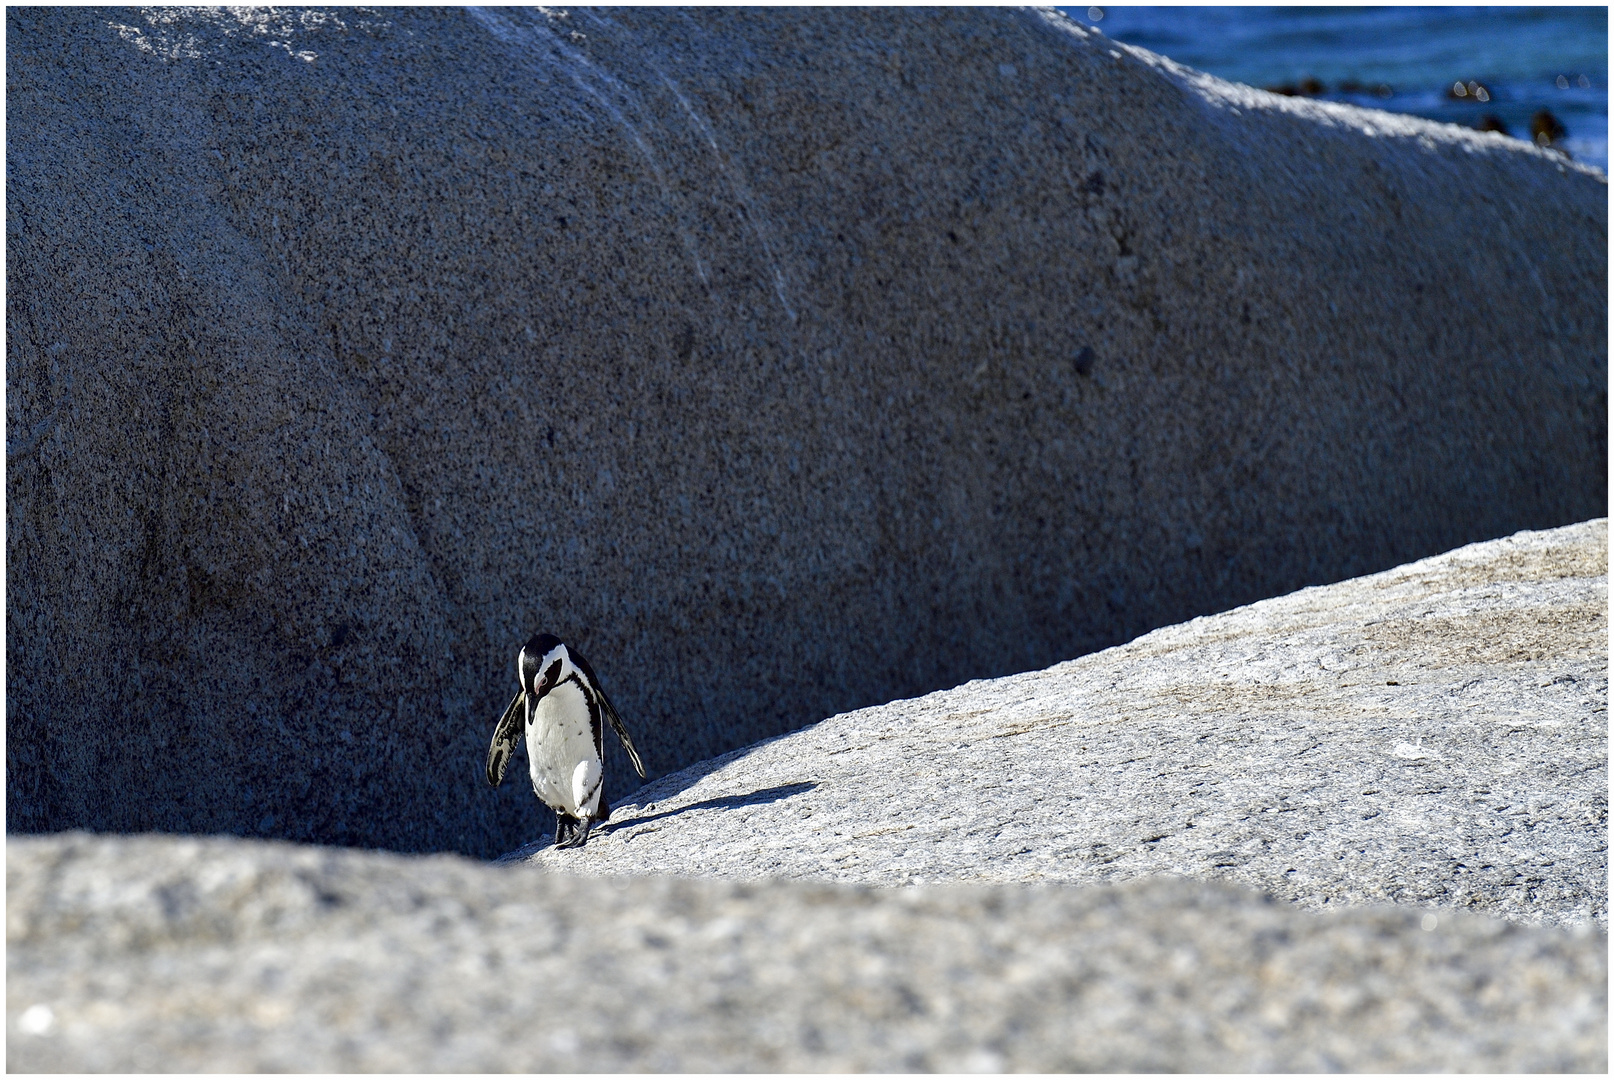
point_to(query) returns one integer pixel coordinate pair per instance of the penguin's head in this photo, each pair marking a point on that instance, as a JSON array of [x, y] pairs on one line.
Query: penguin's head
[[543, 665]]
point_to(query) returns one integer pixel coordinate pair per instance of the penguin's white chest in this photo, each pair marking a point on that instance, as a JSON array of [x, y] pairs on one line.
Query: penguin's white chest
[[565, 766]]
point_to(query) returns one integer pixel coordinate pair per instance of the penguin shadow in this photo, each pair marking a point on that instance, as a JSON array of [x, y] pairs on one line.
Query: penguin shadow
[[725, 802]]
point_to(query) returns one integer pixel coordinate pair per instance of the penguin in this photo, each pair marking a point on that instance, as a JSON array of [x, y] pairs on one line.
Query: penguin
[[560, 708]]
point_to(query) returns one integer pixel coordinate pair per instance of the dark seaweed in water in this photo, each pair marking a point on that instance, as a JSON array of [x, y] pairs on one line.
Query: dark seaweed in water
[[1545, 128], [1512, 62]]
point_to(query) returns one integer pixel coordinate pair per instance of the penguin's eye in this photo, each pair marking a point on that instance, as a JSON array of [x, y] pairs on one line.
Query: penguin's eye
[[544, 681]]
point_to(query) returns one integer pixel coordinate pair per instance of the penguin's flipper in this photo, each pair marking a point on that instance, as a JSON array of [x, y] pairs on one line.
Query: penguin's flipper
[[610, 713], [622, 733], [505, 737]]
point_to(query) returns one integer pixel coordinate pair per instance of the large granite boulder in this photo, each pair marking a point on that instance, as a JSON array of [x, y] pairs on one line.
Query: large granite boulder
[[1433, 735], [785, 361]]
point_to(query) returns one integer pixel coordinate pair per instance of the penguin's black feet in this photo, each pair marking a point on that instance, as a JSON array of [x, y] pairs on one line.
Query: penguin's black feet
[[570, 832], [565, 828]]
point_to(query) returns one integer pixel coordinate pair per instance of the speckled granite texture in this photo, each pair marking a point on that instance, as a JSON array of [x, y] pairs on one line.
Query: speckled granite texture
[[1419, 757], [1434, 735], [176, 954], [786, 361]]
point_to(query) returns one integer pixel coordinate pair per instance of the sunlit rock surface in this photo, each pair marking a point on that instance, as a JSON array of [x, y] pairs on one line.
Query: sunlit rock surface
[[785, 361], [1434, 735]]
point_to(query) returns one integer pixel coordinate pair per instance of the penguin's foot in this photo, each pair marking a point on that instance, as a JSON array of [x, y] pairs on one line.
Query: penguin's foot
[[572, 833]]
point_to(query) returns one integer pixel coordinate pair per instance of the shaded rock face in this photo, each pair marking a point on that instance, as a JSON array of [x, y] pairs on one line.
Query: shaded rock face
[[254, 956], [784, 362]]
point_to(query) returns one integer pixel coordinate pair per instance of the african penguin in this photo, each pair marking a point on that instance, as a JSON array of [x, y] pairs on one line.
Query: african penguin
[[559, 708]]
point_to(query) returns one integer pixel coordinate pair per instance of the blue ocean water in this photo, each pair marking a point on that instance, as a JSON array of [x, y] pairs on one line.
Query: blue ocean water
[[1512, 63]]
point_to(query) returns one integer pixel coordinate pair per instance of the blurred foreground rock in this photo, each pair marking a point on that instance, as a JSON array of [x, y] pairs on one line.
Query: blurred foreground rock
[[785, 361], [1435, 735], [176, 954]]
